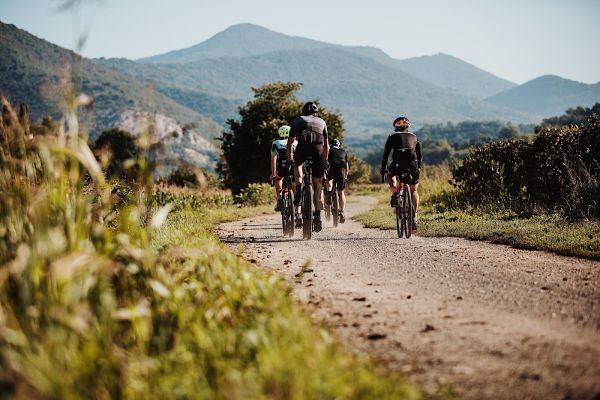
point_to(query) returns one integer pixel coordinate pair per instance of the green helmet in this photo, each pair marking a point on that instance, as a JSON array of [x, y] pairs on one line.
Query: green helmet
[[284, 131]]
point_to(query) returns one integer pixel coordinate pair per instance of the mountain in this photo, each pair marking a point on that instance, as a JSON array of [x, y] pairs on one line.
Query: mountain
[[35, 71], [547, 96], [245, 40], [454, 74], [367, 92], [241, 40], [32, 68]]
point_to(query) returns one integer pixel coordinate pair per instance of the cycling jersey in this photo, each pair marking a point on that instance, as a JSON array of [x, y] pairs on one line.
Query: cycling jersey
[[310, 132], [337, 158], [406, 149], [406, 154], [279, 149]]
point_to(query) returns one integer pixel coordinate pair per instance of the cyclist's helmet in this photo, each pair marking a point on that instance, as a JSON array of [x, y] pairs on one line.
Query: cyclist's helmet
[[284, 131], [335, 144], [401, 121], [310, 108]]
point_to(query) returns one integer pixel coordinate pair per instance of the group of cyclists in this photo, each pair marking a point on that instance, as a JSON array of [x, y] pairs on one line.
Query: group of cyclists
[[307, 137]]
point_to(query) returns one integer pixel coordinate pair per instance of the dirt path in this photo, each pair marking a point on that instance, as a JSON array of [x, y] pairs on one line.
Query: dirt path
[[489, 320]]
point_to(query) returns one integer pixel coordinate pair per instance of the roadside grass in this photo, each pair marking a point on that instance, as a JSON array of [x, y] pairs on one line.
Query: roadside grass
[[439, 217], [260, 342], [104, 294]]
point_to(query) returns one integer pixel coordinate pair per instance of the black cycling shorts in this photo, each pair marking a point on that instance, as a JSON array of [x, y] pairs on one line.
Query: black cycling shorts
[[337, 174], [305, 150], [412, 167], [282, 170]]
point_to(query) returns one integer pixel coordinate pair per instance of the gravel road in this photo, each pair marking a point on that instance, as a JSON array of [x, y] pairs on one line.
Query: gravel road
[[488, 320]]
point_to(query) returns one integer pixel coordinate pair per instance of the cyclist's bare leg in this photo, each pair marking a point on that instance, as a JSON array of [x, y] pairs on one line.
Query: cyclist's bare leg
[[278, 185], [342, 199], [318, 193], [391, 180], [329, 185], [415, 195], [297, 175]]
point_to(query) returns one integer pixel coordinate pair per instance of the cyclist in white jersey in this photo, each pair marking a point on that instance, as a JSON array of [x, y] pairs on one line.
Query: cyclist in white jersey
[[279, 161]]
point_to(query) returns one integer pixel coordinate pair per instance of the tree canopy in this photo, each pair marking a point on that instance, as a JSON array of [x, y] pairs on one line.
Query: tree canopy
[[246, 146]]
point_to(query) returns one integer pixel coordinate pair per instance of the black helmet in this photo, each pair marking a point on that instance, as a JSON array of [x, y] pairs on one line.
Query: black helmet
[[335, 144], [310, 108], [400, 119]]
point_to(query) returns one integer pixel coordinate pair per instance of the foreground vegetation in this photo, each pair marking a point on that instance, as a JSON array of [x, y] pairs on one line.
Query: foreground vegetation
[[113, 290], [440, 215]]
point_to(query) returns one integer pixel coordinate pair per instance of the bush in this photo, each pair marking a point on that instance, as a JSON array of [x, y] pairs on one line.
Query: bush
[[558, 170], [256, 194]]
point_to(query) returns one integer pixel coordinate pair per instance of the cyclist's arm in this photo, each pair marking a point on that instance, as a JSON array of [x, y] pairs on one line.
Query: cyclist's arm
[[347, 164], [419, 156], [386, 153], [325, 144], [273, 163], [290, 149]]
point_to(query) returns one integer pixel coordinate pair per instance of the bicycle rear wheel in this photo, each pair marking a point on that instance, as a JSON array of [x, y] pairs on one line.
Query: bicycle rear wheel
[[399, 220], [326, 207], [283, 212], [408, 213], [307, 218], [334, 206], [290, 214]]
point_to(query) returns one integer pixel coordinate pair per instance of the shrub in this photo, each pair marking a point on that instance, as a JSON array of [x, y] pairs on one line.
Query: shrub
[[256, 194], [558, 170]]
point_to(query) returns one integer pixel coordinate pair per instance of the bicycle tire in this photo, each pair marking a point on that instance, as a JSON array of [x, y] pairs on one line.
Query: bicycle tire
[[335, 206], [327, 208], [290, 213], [408, 213], [307, 219], [399, 220], [283, 212]]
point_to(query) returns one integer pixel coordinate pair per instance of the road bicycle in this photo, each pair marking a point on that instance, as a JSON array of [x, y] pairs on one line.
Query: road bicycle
[[404, 209], [288, 210]]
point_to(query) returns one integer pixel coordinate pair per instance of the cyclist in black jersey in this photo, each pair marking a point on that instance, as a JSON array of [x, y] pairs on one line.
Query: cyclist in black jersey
[[311, 133], [406, 156], [338, 171]]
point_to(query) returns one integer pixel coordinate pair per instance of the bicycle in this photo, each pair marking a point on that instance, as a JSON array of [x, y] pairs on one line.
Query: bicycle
[[288, 210], [404, 209], [306, 202]]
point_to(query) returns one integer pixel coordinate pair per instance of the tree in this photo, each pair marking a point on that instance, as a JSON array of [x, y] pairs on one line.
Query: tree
[[118, 150], [509, 132], [246, 145], [360, 171]]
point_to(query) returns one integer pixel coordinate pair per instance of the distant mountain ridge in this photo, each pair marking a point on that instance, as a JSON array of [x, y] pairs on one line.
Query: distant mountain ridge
[[246, 40], [548, 95], [454, 74], [367, 92]]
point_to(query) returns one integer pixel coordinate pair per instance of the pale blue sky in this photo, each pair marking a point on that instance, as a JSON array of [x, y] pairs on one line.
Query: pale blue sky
[[514, 39]]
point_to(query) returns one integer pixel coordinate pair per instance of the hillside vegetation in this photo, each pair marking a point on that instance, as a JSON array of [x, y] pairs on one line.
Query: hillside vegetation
[[37, 73]]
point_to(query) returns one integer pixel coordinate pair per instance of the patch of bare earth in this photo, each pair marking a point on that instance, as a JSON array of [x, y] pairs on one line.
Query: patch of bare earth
[[490, 321]]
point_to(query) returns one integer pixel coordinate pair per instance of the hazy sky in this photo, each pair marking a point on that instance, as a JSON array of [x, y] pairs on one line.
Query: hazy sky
[[514, 39]]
